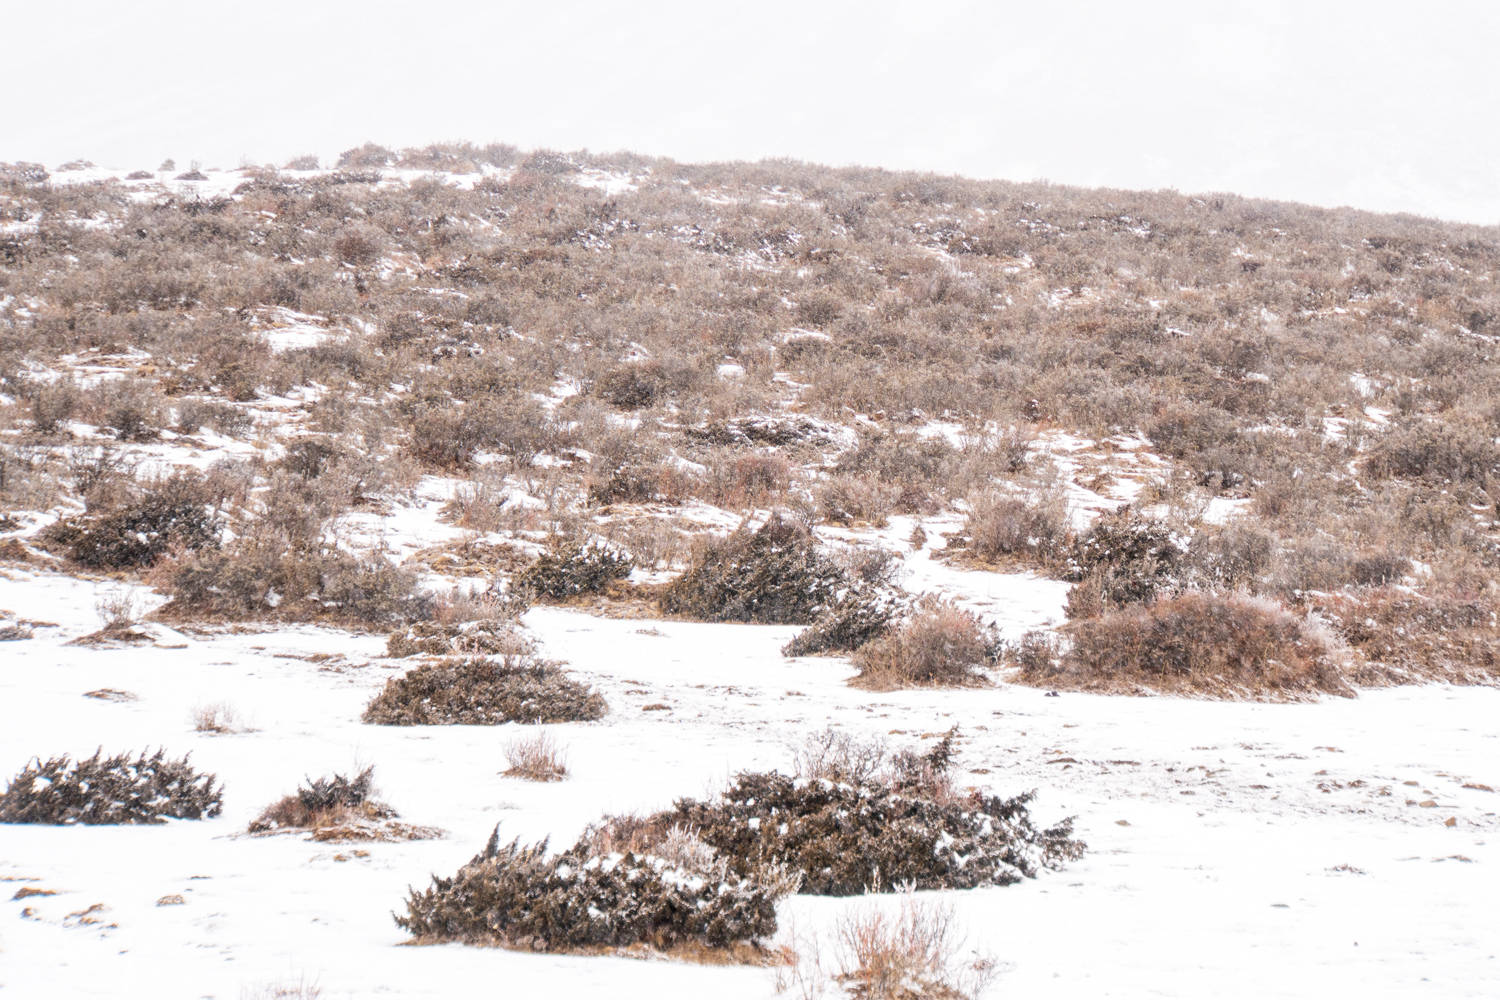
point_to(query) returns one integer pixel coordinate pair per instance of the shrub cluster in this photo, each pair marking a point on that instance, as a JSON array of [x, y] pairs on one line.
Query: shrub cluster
[[118, 789], [338, 799], [1032, 529], [516, 687], [571, 567], [773, 575], [257, 577], [582, 898]]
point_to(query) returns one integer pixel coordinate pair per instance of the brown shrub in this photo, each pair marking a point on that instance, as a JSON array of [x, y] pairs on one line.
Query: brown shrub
[[1027, 530], [1219, 645], [941, 644], [1402, 637]]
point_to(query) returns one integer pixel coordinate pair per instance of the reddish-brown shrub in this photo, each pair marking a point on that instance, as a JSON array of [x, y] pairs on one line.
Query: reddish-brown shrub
[[1219, 645]]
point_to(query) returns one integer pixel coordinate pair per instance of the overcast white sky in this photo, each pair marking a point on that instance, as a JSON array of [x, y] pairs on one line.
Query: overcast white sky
[[1380, 105]]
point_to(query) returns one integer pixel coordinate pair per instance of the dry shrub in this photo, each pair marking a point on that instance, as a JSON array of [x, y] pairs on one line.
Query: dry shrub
[[118, 789], [338, 808], [263, 577], [1436, 452], [774, 575], [637, 385], [845, 499], [940, 644], [219, 717], [1031, 529], [859, 615], [1124, 558], [489, 637], [1218, 645], [1403, 637], [572, 567], [913, 954], [536, 758], [518, 687], [177, 512], [587, 899], [846, 839]]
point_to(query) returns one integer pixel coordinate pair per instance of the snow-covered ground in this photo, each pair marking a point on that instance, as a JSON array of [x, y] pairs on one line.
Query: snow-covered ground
[[1340, 848]]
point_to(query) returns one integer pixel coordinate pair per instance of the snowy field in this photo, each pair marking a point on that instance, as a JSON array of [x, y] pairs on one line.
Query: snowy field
[[1340, 848]]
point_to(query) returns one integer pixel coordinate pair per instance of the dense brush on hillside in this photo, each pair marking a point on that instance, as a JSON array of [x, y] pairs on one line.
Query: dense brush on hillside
[[618, 337]]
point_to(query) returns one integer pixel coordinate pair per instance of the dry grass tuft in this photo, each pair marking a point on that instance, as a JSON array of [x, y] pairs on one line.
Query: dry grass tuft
[[536, 758], [218, 717], [913, 954]]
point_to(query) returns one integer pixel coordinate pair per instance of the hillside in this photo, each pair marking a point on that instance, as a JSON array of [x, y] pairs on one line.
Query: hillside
[[1184, 510]]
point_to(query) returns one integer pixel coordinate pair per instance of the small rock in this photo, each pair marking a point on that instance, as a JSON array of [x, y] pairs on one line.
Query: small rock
[[173, 899]]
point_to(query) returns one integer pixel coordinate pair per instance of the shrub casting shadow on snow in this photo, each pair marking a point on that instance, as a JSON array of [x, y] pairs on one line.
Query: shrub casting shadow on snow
[[517, 687], [102, 790]]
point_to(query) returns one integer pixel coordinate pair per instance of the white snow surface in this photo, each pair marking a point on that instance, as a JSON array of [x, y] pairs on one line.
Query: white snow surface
[[1235, 849]]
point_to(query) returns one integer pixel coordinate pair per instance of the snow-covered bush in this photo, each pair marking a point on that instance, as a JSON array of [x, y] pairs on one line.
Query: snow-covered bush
[[846, 839], [516, 687], [571, 567], [774, 575], [261, 577], [1123, 559], [855, 617], [519, 897], [118, 789]]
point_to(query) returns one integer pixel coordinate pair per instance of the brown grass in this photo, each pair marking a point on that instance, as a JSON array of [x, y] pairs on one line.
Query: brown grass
[[536, 758]]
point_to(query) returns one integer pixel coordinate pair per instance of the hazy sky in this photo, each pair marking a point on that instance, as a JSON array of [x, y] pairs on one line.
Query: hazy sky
[[1387, 106]]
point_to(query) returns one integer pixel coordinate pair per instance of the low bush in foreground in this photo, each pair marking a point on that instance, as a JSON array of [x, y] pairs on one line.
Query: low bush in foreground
[[1220, 645], [584, 898], [913, 954], [940, 644], [516, 687], [773, 575], [536, 758], [100, 790]]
